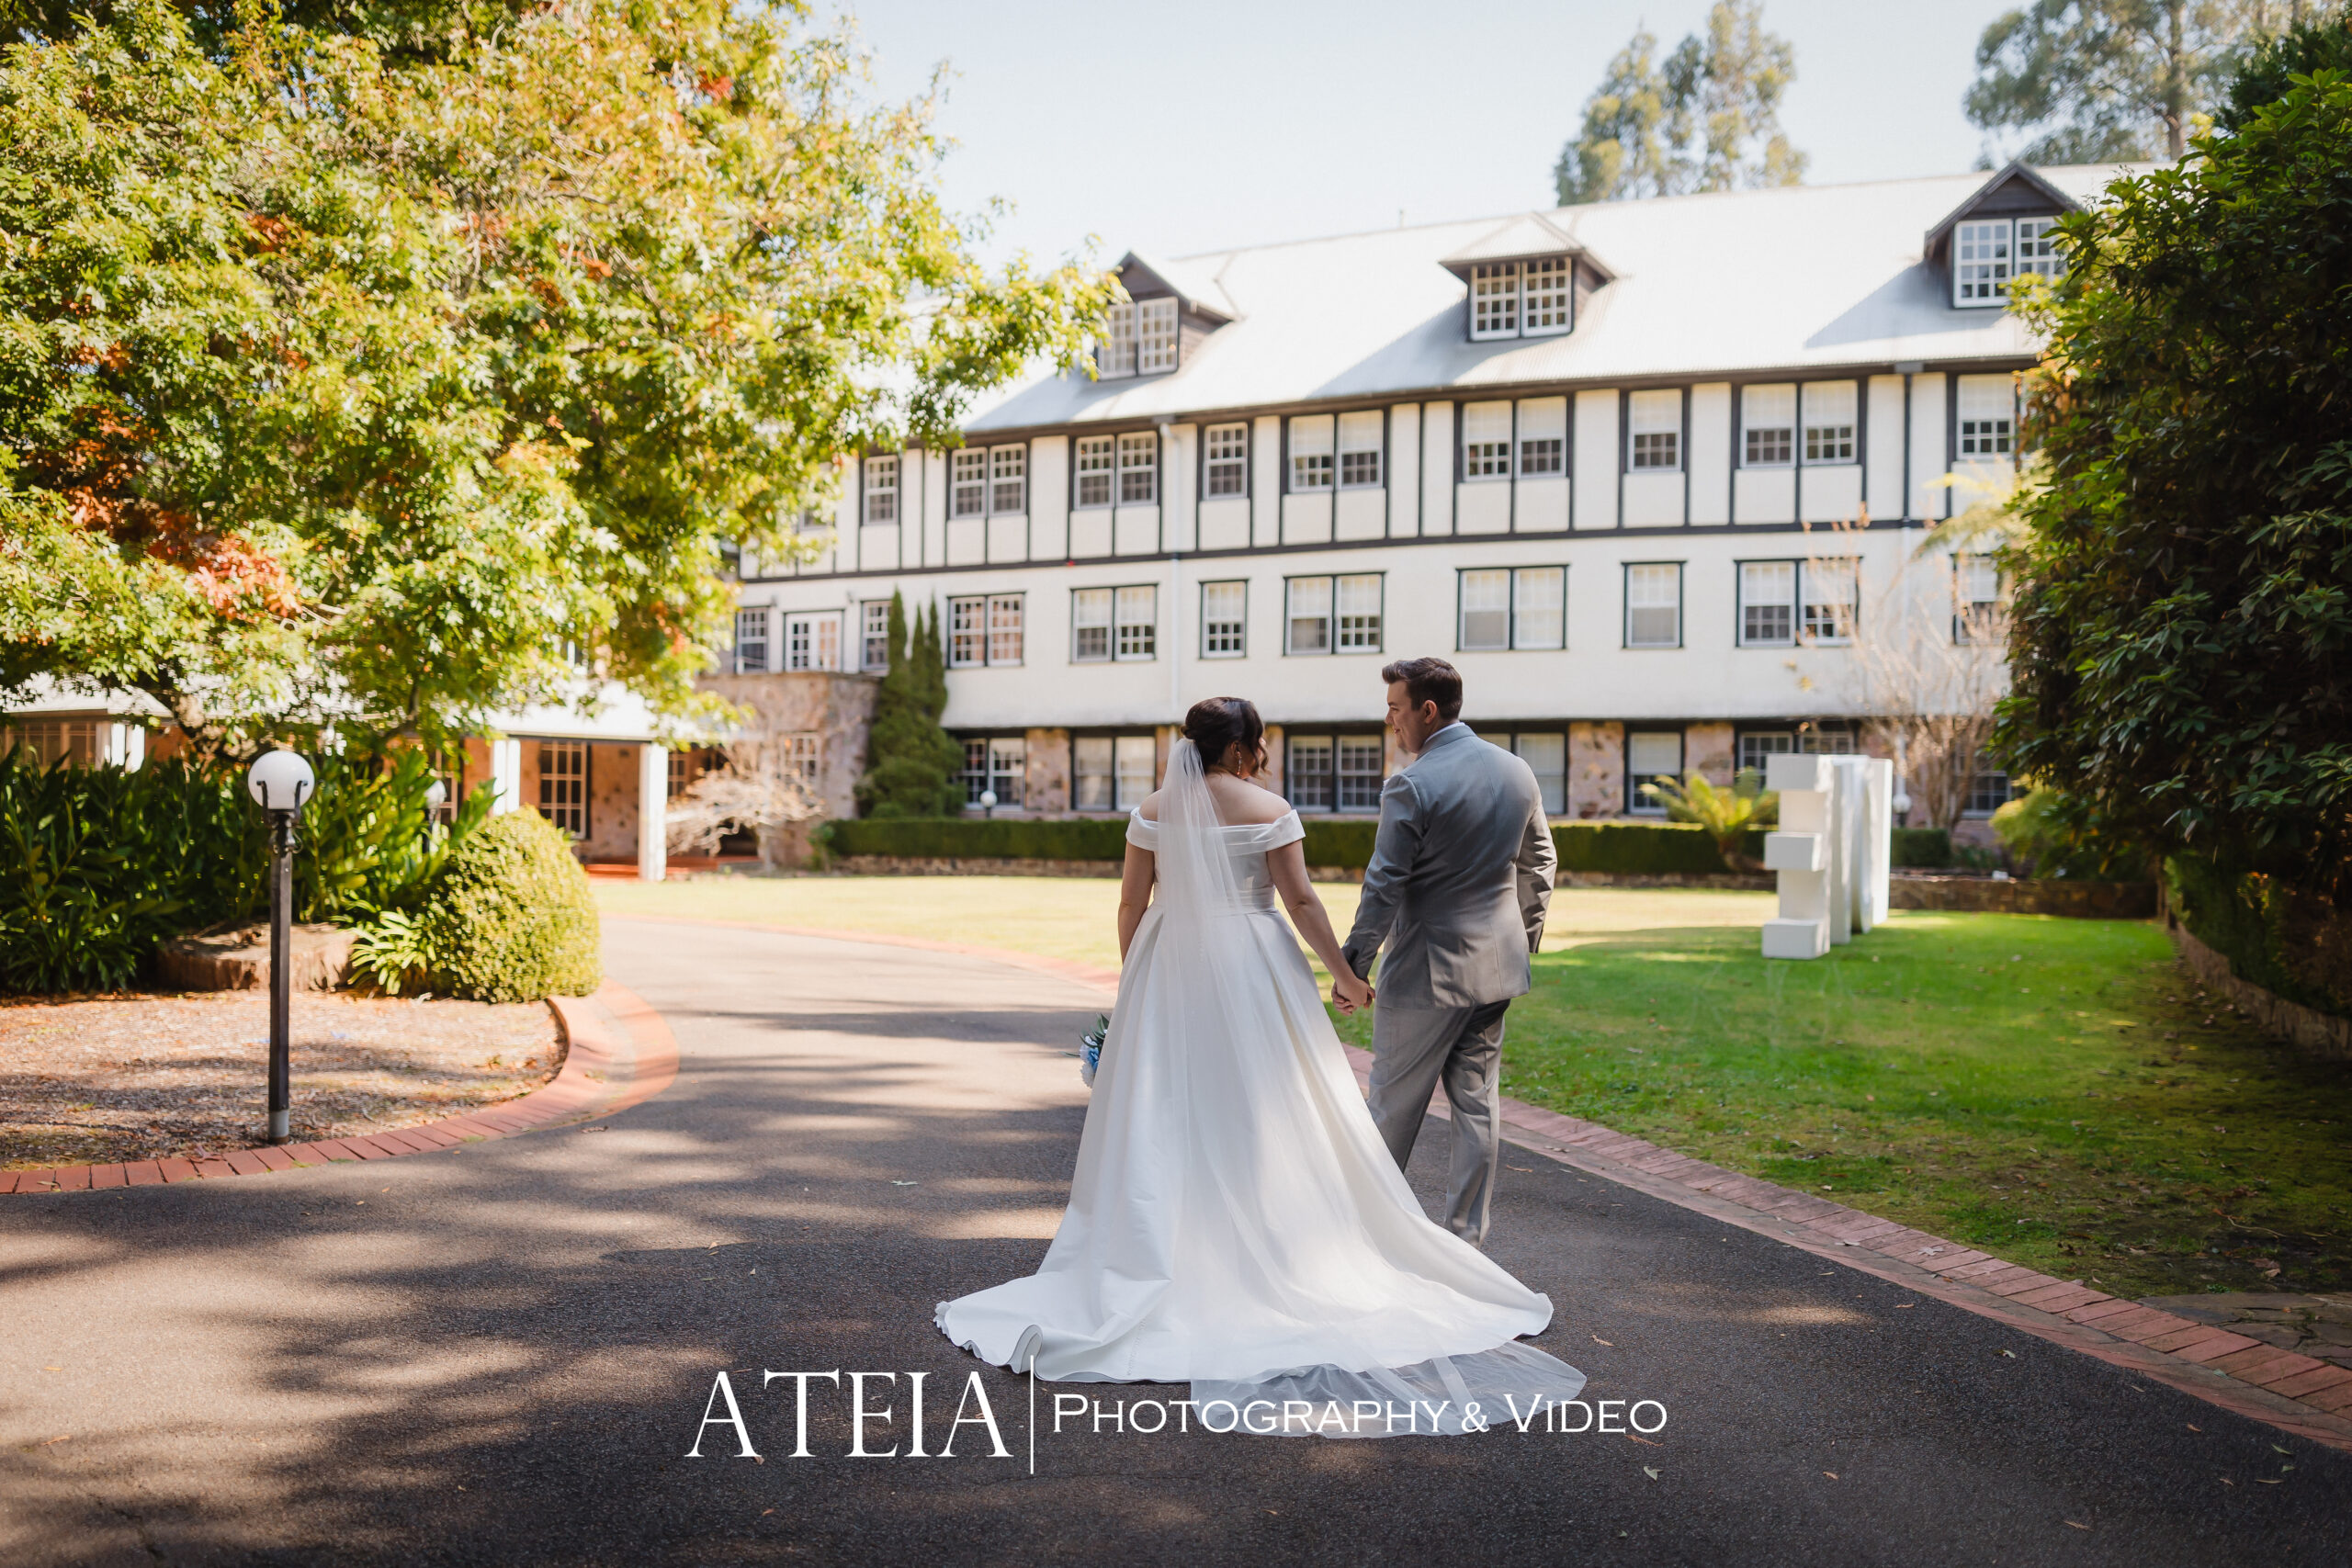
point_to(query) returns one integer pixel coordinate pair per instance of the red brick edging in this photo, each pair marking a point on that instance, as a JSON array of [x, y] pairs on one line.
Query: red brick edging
[[2297, 1393], [604, 1070]]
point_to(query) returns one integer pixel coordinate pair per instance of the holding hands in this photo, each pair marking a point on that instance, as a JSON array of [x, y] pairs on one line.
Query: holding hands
[[1349, 992]]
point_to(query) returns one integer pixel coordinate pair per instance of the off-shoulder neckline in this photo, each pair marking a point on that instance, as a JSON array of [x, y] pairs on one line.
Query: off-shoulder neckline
[[1136, 812]]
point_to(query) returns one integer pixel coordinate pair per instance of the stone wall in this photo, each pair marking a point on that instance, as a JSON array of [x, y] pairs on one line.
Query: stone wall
[[836, 708], [2016, 896], [1707, 751], [1596, 770], [1044, 783]]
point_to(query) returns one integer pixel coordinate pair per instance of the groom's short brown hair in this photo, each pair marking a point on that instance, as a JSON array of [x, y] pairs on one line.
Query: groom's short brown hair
[[1429, 681]]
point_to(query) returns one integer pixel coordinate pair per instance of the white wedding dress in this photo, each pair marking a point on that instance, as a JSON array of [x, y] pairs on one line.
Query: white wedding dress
[[1234, 1221]]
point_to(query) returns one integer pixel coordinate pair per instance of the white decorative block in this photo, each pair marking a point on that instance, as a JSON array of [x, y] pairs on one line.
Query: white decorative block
[[1788, 770], [1793, 851], [1795, 938]]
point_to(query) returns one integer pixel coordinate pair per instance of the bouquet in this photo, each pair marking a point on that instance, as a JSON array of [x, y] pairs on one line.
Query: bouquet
[[1090, 1049]]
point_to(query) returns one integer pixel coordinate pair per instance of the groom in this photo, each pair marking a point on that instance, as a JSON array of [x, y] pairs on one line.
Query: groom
[[1460, 878]]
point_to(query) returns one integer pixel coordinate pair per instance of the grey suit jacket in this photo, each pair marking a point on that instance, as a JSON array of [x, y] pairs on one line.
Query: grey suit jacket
[[1461, 877]]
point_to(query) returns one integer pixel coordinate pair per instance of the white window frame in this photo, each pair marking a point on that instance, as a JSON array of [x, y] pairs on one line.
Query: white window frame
[[1134, 624], [2036, 249], [812, 640], [1486, 437], [873, 636], [752, 648], [1646, 416], [1225, 472], [989, 481], [1517, 583], [1091, 610], [967, 482], [881, 499], [1636, 803], [1494, 300], [1008, 631], [1134, 770], [1093, 772], [1832, 419], [1536, 297], [1673, 570], [1157, 342], [1807, 612], [1313, 454], [1307, 601], [1139, 468], [987, 630], [1768, 425], [1977, 597], [1984, 417], [1982, 253], [1096, 463], [998, 762], [1353, 770], [1361, 440], [1224, 622], [1357, 629], [1541, 440], [1115, 351], [1551, 771]]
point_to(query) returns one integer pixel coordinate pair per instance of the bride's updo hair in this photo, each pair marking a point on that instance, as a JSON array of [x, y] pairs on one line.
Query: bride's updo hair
[[1217, 723]]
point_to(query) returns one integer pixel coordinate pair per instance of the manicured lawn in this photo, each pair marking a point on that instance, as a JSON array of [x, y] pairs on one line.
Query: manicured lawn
[[2057, 1092]]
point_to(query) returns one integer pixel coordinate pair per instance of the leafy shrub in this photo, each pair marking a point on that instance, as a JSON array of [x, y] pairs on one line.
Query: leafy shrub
[[2290, 942], [942, 838], [1728, 815], [100, 866], [2049, 834], [1646, 849], [367, 842], [1921, 848], [512, 920]]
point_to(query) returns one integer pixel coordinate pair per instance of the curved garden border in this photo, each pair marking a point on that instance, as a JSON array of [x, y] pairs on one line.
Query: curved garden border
[[607, 1067]]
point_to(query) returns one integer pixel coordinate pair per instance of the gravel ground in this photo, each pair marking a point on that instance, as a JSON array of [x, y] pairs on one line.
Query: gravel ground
[[134, 1078]]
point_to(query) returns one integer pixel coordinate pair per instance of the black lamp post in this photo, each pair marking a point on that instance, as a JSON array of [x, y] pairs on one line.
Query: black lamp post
[[280, 782]]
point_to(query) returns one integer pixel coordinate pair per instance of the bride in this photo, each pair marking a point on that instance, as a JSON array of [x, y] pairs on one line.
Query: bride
[[1235, 1221]]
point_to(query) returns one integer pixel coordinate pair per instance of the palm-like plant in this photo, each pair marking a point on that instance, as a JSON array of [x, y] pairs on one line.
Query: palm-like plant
[[1728, 815]]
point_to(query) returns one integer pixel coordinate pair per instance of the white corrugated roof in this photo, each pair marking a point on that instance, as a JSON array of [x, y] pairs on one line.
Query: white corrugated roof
[[1797, 277]]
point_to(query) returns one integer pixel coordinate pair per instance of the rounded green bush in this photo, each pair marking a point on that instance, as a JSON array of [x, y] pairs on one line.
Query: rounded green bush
[[512, 919]]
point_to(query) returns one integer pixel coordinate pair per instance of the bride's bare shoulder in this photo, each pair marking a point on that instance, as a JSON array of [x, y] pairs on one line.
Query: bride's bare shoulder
[[1255, 803], [1149, 809]]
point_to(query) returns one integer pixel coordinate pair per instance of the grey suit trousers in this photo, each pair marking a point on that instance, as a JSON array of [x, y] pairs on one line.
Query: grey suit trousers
[[1412, 1049]]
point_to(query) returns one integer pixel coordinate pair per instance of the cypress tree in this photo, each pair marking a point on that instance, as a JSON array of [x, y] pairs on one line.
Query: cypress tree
[[912, 763]]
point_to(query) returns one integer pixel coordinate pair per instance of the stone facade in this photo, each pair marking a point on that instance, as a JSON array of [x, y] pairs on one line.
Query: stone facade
[[1596, 769], [1045, 782], [836, 708], [1707, 752]]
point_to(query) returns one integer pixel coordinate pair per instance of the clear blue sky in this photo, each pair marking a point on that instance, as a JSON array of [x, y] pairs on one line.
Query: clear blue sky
[[1197, 126]]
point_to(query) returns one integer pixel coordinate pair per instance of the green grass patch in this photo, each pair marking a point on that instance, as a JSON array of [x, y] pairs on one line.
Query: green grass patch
[[2057, 1092]]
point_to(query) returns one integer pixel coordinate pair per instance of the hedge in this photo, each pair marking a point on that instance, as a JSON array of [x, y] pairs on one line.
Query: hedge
[[1628, 849], [2292, 943], [1922, 849]]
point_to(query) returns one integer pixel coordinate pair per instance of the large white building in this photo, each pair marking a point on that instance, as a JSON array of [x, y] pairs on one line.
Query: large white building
[[1634, 468]]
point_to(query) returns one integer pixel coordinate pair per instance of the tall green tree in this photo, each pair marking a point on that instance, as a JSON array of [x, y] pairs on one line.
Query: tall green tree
[[2091, 81], [2181, 642], [1707, 118], [911, 761], [343, 384]]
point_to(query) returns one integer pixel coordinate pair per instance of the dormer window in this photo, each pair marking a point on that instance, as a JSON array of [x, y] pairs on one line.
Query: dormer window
[[2004, 231], [1522, 299], [1138, 339]]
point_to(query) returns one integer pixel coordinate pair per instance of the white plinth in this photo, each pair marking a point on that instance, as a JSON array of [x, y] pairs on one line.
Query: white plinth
[[1796, 939]]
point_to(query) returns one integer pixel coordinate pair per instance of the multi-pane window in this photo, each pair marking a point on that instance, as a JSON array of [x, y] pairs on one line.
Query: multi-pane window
[[1768, 419], [1224, 614], [1542, 436], [1156, 342], [1327, 614], [1986, 411], [1546, 299], [995, 766], [1486, 441], [1334, 772], [1654, 604], [882, 490], [1530, 299], [1135, 616], [2037, 248], [77, 742], [1829, 422], [1115, 353], [1514, 608], [1988, 788], [1783, 601], [812, 642], [1545, 753], [1977, 598], [1227, 450], [874, 639], [1135, 768], [1090, 787], [1360, 444], [1113, 623], [751, 641], [563, 784], [1139, 469], [1098, 463], [1494, 300], [1311, 440], [984, 629], [991, 482], [1650, 755], [1654, 420], [1980, 262], [1757, 747], [683, 772]]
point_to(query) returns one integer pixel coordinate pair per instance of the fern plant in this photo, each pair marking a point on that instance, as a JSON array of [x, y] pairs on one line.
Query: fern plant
[[1728, 815]]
